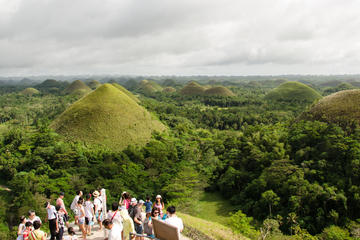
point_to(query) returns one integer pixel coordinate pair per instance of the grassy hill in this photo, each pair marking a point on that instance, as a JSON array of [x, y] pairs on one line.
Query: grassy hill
[[107, 116], [193, 88], [219, 91], [124, 90], [93, 84], [77, 87], [293, 92], [169, 90], [147, 86], [341, 107], [30, 91]]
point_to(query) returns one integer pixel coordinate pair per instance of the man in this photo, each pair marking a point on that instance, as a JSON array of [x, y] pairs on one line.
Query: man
[[173, 219], [52, 218], [60, 202], [132, 206], [98, 208], [74, 204], [37, 234], [32, 217], [115, 216], [115, 231], [138, 219], [148, 205]]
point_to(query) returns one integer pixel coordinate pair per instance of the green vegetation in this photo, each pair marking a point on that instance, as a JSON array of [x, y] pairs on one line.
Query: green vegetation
[[77, 88], [108, 117], [124, 90], [30, 91], [169, 90], [192, 88], [293, 91], [93, 84], [147, 87], [219, 91]]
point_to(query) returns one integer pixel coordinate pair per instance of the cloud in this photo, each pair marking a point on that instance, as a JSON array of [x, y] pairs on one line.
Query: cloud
[[179, 37]]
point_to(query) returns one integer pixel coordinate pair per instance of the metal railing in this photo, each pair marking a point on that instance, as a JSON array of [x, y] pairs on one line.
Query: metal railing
[[131, 235]]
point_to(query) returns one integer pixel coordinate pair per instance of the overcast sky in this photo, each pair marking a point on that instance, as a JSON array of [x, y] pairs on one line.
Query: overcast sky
[[184, 37]]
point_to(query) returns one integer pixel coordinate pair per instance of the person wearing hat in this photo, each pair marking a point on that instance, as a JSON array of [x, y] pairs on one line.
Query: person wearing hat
[[131, 208], [60, 202], [98, 208], [138, 219], [159, 204], [125, 200]]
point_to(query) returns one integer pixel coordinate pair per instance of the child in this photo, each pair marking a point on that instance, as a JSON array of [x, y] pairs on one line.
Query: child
[[28, 228], [148, 205], [71, 235], [61, 222]]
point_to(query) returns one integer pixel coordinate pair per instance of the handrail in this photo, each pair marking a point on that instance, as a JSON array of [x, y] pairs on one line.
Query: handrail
[[131, 235]]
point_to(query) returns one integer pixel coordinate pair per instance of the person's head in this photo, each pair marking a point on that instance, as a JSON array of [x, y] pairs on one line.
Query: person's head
[[28, 225], [133, 202], [171, 210], [107, 223], [57, 207], [80, 193], [22, 219], [141, 202], [115, 206], [36, 224], [126, 195], [147, 198], [155, 212], [32, 214], [158, 199], [96, 194], [61, 195], [148, 214], [46, 204], [80, 201], [88, 197], [71, 231]]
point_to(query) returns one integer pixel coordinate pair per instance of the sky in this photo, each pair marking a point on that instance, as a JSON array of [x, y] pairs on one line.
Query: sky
[[187, 37]]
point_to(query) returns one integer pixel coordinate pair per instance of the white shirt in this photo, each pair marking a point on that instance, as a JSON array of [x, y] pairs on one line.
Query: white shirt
[[115, 232], [89, 206], [70, 237], [176, 222], [98, 203], [36, 218], [116, 218], [51, 211], [74, 202]]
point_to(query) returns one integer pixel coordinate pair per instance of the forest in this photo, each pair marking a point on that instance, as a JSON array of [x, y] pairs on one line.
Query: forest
[[287, 175]]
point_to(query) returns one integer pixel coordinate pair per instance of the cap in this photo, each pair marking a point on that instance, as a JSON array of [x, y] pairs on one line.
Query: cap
[[158, 196], [141, 202], [133, 200]]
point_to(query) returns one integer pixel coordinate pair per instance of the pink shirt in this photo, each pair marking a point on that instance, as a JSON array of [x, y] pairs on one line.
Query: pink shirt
[[60, 202]]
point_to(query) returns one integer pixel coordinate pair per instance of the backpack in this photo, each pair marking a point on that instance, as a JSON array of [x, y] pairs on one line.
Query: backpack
[[131, 211]]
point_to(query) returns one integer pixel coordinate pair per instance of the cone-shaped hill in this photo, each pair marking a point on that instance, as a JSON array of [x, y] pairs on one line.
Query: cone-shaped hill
[[109, 117], [30, 91], [293, 92], [93, 84], [124, 90], [342, 108], [219, 91], [193, 88], [147, 86], [169, 90], [77, 87]]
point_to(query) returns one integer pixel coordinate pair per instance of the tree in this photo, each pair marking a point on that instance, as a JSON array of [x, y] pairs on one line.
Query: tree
[[271, 199]]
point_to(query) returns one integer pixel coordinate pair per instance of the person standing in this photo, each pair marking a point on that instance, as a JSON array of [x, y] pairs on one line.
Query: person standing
[[128, 223], [148, 205], [32, 217], [73, 205], [81, 221], [37, 234], [52, 218], [61, 223], [60, 202], [98, 208], [125, 200], [89, 214], [174, 220], [21, 228], [159, 204], [138, 220]]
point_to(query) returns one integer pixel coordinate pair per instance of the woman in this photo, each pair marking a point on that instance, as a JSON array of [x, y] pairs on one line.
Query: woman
[[21, 228], [81, 222], [159, 204], [125, 200], [148, 227]]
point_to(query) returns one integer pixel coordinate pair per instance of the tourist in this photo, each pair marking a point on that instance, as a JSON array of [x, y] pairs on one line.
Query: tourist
[[81, 221], [52, 218], [115, 231], [21, 228], [28, 228], [138, 219], [159, 204], [61, 222], [98, 208], [74, 204], [148, 205], [148, 230], [132, 206], [114, 214], [32, 217], [71, 235], [128, 223], [60, 202], [89, 214], [125, 200], [173, 220], [37, 234]]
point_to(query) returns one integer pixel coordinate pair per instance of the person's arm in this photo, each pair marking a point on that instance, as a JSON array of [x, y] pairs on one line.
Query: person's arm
[[19, 230], [162, 204]]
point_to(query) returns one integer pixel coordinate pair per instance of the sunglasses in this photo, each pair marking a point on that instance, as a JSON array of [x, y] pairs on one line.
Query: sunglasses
[[156, 213]]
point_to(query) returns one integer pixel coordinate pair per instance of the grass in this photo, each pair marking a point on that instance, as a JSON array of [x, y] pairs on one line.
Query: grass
[[219, 91], [124, 90], [93, 84], [293, 91], [77, 87], [169, 90], [193, 88], [30, 91], [147, 86], [109, 117]]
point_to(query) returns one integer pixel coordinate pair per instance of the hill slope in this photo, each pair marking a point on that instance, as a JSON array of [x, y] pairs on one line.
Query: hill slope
[[293, 91], [93, 84], [77, 87], [340, 107], [107, 116], [192, 88], [30, 91], [147, 86], [169, 90], [124, 90], [219, 91]]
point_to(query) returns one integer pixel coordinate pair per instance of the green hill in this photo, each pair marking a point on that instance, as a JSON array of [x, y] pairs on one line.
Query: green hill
[[124, 90], [107, 116], [147, 86], [338, 88], [293, 92], [193, 88], [30, 91], [169, 90], [341, 108], [219, 91], [93, 84], [77, 87]]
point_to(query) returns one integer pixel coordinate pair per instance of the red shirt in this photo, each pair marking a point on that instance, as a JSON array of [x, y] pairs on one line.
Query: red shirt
[[26, 234]]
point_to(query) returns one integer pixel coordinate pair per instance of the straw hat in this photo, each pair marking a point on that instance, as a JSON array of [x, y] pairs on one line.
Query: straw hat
[[158, 196], [96, 193]]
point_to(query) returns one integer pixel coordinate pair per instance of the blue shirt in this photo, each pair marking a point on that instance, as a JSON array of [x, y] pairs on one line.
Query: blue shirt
[[148, 206]]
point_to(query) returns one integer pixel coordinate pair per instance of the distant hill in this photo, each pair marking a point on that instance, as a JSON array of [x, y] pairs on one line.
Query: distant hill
[[169, 90], [342, 108], [124, 90], [338, 88], [293, 92], [219, 91], [93, 84], [193, 88], [109, 117], [77, 87], [146, 86], [30, 91]]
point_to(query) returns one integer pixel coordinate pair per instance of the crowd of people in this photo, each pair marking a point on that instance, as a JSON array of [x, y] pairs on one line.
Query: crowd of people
[[127, 218]]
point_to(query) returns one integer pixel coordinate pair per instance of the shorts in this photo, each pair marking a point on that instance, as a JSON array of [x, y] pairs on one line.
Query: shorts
[[81, 220], [138, 228], [98, 216]]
